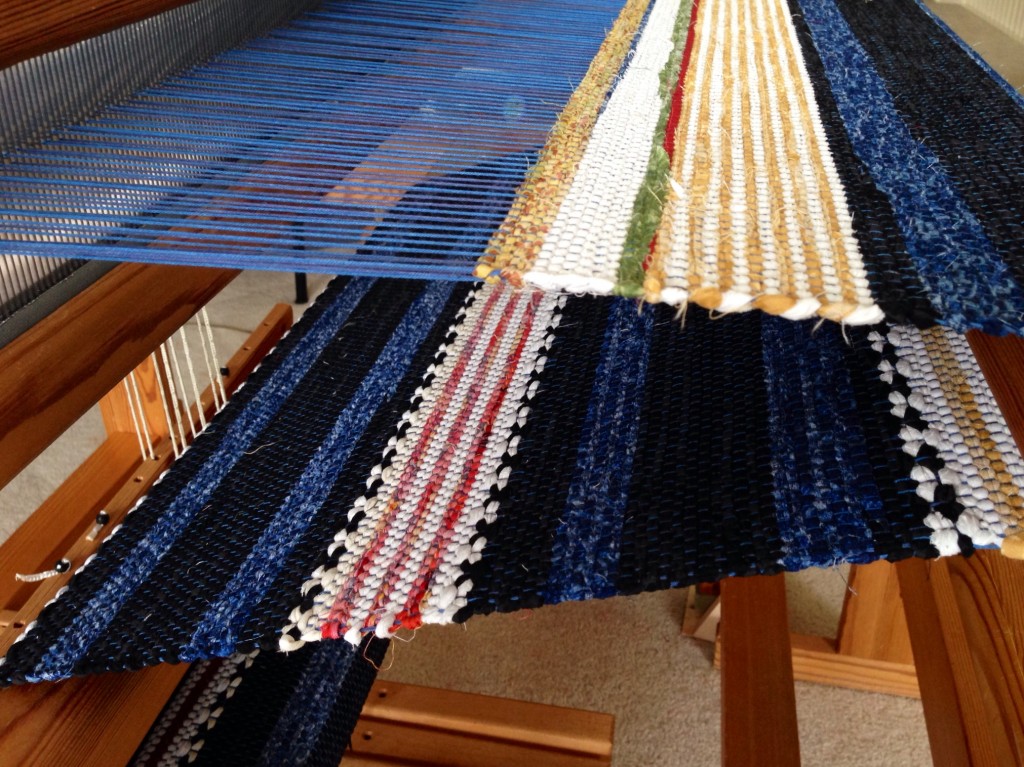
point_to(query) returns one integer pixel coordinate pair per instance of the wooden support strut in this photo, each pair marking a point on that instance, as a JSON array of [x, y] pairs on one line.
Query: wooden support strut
[[54, 372], [97, 720], [31, 28], [759, 724]]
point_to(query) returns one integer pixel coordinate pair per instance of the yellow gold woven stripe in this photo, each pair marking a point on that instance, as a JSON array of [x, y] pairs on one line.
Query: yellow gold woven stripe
[[984, 450], [514, 247], [777, 229]]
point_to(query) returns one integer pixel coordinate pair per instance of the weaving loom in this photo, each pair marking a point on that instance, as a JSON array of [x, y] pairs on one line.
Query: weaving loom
[[422, 451]]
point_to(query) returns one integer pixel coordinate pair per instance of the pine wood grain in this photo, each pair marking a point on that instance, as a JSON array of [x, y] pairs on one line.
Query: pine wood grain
[[980, 603], [65, 516], [873, 623], [403, 723], [95, 721], [58, 369], [35, 27], [116, 405], [485, 716], [1002, 361], [759, 724], [943, 715]]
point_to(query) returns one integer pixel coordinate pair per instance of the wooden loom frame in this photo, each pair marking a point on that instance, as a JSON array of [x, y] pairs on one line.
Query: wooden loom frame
[[965, 617]]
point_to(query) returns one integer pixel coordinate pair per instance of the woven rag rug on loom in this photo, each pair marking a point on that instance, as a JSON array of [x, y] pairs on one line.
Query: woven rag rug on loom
[[840, 158], [421, 452], [254, 709], [847, 159]]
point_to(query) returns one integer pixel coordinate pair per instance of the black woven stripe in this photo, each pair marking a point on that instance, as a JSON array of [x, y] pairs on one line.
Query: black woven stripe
[[513, 572], [898, 532], [266, 621], [701, 503], [266, 690], [161, 613], [894, 281], [335, 739], [63, 612], [954, 107]]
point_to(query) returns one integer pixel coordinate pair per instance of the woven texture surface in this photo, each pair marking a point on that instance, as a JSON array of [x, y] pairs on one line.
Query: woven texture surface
[[805, 157], [425, 451], [265, 709]]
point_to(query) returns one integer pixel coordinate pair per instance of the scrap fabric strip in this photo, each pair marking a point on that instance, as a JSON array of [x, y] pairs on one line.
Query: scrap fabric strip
[[421, 452], [968, 280], [264, 708], [974, 459], [517, 242], [258, 492], [758, 214], [433, 483], [775, 187]]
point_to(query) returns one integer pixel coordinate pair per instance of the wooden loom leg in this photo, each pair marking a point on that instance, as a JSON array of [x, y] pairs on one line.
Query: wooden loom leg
[[759, 724], [872, 651], [966, 619]]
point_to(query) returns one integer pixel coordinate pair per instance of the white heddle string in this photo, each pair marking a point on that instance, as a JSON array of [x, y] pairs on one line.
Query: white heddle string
[[164, 393], [181, 383], [165, 352], [216, 360], [142, 417], [192, 377], [135, 417], [205, 346]]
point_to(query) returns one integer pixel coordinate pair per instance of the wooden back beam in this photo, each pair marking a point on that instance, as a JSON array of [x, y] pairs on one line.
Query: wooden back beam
[[53, 373], [30, 29]]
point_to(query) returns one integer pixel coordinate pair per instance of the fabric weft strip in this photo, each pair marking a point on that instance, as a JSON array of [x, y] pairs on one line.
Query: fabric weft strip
[[425, 451], [784, 192], [264, 708]]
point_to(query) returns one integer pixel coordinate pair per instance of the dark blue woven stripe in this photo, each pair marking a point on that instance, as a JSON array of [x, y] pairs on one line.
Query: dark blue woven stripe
[[309, 706], [824, 487], [585, 554], [895, 284], [238, 439], [954, 107], [966, 280], [217, 633]]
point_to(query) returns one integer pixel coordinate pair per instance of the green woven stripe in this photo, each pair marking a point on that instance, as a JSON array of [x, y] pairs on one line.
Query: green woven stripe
[[650, 199]]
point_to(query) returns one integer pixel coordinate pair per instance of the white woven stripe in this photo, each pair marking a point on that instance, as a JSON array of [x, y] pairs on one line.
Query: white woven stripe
[[444, 598], [990, 412], [990, 510], [913, 364], [584, 245], [677, 268], [987, 517], [813, 215], [737, 183], [392, 565], [391, 510], [869, 312], [707, 227]]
